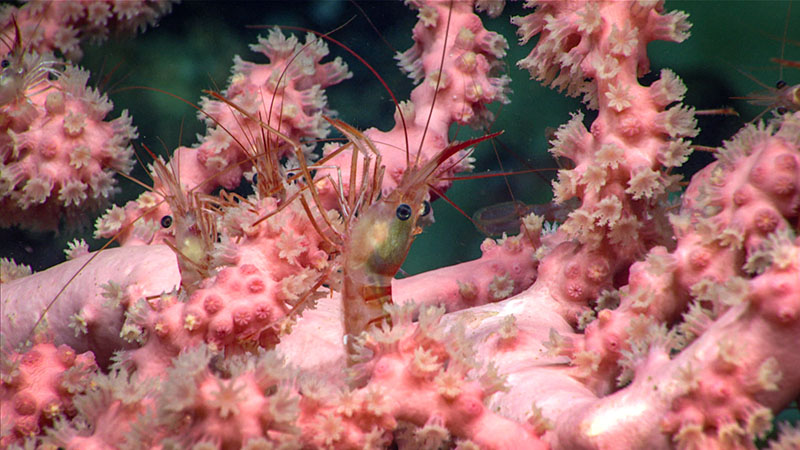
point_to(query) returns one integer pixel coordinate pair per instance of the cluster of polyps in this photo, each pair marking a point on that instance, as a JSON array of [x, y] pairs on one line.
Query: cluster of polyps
[[59, 155]]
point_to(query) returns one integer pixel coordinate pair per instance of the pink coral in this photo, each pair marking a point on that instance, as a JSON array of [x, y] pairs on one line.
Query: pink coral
[[47, 27], [637, 323], [455, 90], [39, 386], [58, 155]]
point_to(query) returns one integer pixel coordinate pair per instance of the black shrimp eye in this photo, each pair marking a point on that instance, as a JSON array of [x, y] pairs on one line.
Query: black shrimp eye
[[426, 208], [780, 84], [255, 178], [403, 212], [5, 63], [166, 221], [782, 110]]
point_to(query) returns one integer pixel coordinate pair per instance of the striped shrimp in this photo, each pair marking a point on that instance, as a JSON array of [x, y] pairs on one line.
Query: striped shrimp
[[379, 225], [376, 233], [782, 97], [378, 236], [192, 225], [369, 266], [21, 69]]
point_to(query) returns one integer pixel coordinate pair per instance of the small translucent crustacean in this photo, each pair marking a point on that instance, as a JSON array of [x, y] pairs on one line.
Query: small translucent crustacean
[[495, 220], [378, 238], [193, 227], [377, 231], [783, 97]]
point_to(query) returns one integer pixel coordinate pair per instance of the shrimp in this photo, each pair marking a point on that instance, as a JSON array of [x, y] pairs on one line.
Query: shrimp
[[193, 227], [377, 232], [21, 69], [783, 97], [379, 237], [495, 220]]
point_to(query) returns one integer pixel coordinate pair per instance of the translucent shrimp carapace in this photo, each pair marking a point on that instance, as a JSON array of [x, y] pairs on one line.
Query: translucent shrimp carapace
[[192, 226], [505, 218], [379, 239], [782, 97]]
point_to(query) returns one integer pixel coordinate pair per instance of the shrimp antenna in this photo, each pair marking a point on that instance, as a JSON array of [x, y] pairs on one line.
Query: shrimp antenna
[[18, 37], [453, 204], [370, 68], [438, 82], [783, 41], [374, 28], [298, 153]]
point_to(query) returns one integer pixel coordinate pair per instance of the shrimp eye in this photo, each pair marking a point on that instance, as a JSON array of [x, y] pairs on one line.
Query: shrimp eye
[[782, 110], [426, 208], [166, 221], [5, 63], [780, 84], [403, 212], [255, 178]]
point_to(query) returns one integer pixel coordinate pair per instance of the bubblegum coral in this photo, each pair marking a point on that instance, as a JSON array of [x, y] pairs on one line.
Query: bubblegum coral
[[658, 314]]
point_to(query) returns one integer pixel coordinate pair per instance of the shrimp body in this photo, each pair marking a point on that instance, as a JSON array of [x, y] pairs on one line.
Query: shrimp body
[[506, 217], [21, 70], [783, 98], [377, 246], [789, 97], [12, 80], [193, 229], [378, 241]]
